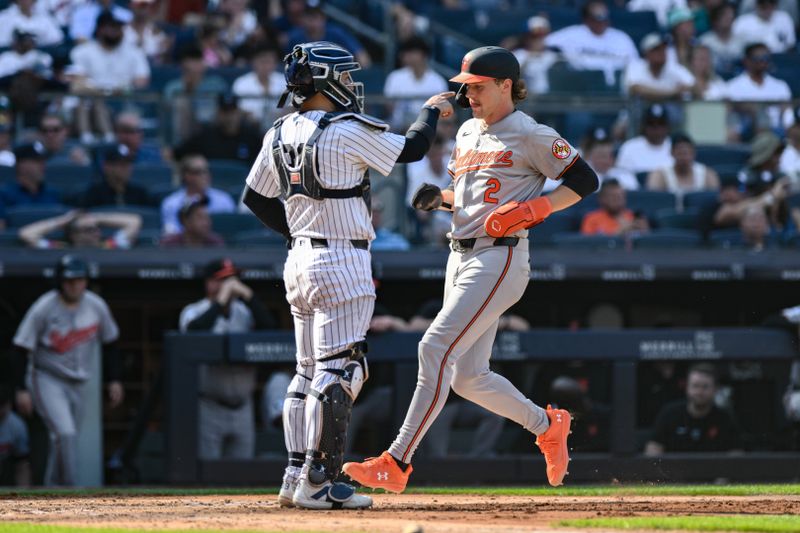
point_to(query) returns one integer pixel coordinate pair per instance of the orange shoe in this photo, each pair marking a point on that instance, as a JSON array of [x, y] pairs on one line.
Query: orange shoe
[[379, 473], [553, 444]]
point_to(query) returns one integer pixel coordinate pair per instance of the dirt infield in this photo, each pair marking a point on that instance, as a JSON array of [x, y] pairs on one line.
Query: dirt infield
[[392, 513]]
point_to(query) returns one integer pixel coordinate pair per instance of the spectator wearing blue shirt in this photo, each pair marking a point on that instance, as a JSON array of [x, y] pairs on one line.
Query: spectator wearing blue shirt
[[315, 27], [385, 239], [128, 131], [29, 186], [196, 179], [82, 23]]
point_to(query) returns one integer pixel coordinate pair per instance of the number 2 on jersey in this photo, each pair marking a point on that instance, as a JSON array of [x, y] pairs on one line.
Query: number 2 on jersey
[[493, 185]]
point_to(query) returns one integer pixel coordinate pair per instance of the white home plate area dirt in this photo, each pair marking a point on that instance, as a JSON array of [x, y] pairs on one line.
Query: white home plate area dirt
[[391, 513]]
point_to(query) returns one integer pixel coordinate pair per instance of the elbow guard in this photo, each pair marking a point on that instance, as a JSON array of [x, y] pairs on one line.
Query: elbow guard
[[580, 178]]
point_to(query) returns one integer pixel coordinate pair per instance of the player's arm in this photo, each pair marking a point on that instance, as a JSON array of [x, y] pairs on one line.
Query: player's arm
[[421, 133], [578, 181], [261, 194], [269, 211]]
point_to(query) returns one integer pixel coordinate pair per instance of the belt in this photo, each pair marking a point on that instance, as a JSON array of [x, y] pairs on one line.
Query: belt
[[462, 245], [361, 244]]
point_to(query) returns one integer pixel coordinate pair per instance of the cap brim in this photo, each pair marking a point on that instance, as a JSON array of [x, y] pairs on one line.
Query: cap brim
[[466, 77]]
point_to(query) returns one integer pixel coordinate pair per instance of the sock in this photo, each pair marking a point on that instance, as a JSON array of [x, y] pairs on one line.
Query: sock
[[403, 466]]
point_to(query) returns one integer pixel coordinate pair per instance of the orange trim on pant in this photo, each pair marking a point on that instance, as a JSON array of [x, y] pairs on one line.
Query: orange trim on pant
[[450, 349]]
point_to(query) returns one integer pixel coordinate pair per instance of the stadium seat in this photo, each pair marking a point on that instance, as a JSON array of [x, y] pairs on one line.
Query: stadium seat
[[160, 75], [794, 200], [229, 74], [557, 223], [260, 237], [699, 199], [151, 175], [713, 154], [584, 242], [69, 179], [160, 191], [636, 24], [567, 81], [22, 215], [7, 175], [674, 219], [725, 238], [148, 238], [791, 75], [225, 173], [668, 238], [650, 201], [151, 216], [9, 239], [373, 79], [229, 224]]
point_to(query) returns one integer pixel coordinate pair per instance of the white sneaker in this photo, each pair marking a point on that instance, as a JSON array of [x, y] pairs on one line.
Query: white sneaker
[[288, 486], [329, 496]]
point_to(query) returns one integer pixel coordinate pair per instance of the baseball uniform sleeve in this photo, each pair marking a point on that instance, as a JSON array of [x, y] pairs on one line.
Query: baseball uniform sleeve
[[548, 152], [28, 331], [374, 148], [262, 177], [109, 331]]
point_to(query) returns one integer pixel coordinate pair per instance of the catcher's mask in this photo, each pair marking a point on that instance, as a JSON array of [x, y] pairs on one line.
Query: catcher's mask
[[322, 67]]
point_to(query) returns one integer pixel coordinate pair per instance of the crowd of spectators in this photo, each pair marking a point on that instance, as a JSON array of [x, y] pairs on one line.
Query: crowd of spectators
[[213, 69]]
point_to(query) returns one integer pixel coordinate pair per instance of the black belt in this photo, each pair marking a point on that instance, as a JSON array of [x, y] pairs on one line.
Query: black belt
[[361, 244], [462, 245]]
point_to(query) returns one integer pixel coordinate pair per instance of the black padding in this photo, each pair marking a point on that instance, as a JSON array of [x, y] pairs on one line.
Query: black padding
[[580, 178], [327, 460]]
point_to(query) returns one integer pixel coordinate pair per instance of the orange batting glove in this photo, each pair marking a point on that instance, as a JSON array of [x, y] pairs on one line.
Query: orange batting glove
[[514, 216]]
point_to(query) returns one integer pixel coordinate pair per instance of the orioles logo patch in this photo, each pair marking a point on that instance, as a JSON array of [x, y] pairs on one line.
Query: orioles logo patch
[[561, 149]]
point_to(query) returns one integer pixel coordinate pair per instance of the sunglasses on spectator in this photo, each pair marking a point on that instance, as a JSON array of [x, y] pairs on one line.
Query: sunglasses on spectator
[[129, 130], [52, 129], [761, 58], [86, 229], [197, 170]]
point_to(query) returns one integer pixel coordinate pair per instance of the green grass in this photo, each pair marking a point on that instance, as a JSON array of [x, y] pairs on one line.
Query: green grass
[[748, 523], [600, 490], [24, 527]]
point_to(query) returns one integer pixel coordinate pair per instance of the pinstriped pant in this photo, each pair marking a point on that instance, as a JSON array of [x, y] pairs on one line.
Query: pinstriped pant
[[332, 297], [479, 287]]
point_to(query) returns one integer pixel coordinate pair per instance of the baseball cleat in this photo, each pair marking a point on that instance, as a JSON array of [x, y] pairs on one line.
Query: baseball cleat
[[379, 473], [553, 444], [329, 495], [288, 487]]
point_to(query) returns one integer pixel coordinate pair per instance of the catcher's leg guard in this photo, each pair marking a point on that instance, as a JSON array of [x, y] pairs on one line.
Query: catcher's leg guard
[[336, 403]]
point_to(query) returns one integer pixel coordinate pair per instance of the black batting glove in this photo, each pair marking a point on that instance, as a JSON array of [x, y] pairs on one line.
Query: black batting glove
[[427, 197]]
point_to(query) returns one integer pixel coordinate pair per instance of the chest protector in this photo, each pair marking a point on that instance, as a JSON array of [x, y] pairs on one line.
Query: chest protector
[[298, 167]]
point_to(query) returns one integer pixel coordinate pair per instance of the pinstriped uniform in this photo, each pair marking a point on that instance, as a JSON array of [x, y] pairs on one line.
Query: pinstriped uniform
[[329, 289], [491, 166]]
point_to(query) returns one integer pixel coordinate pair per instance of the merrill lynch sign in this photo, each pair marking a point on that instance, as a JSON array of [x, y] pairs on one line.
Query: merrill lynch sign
[[701, 346]]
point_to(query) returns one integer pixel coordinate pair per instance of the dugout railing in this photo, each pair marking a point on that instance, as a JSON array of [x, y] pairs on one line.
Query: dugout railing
[[623, 349]]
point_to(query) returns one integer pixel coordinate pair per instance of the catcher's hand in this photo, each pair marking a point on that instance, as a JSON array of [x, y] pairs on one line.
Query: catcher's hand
[[514, 216], [427, 197]]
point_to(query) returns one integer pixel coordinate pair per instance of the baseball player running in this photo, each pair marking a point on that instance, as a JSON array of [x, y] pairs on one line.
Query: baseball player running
[[317, 160], [499, 165], [58, 341]]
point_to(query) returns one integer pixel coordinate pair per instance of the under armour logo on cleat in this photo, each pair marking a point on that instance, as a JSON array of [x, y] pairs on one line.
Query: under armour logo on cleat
[[383, 476]]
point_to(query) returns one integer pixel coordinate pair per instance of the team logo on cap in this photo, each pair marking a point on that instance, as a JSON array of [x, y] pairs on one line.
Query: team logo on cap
[[561, 149]]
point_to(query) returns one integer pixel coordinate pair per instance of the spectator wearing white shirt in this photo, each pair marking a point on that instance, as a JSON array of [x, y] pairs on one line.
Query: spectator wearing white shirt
[[60, 10], [144, 33], [756, 85], [102, 66], [707, 84], [685, 174], [682, 30], [789, 6], [84, 18], [599, 153], [24, 56], [660, 7], [23, 16], [241, 22], [414, 79], [726, 46], [594, 45], [258, 89], [651, 150], [790, 157], [534, 58], [766, 24], [655, 78], [196, 179]]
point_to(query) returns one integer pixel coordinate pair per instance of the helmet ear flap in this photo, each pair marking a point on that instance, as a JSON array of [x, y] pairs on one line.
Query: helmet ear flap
[[461, 96]]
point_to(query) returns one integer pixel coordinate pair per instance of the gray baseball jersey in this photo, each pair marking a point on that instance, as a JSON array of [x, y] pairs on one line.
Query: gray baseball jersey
[[344, 151], [62, 340], [509, 160]]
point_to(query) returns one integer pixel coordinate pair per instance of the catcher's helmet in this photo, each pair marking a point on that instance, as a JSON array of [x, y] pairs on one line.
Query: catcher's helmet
[[317, 67], [71, 267]]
